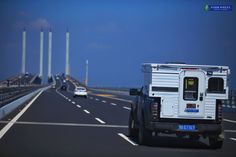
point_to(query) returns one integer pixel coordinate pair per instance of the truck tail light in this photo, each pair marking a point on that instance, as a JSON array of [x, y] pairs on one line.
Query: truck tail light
[[219, 110], [154, 110]]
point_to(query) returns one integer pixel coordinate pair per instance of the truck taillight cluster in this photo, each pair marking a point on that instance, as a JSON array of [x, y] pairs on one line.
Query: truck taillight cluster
[[154, 110], [219, 110]]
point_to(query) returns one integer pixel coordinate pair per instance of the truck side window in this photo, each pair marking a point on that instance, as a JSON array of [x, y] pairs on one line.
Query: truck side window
[[190, 88], [215, 85]]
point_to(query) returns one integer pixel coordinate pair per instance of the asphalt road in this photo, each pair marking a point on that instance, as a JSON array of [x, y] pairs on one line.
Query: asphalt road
[[56, 124]]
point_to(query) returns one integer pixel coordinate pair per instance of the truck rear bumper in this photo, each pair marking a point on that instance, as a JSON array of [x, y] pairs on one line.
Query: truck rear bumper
[[174, 128]]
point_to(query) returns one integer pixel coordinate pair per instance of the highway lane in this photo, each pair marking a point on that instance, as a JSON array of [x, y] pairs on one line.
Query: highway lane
[[56, 124]]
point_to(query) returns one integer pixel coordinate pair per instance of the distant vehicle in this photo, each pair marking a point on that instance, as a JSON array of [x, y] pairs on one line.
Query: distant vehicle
[[182, 99], [64, 86], [53, 85], [80, 91]]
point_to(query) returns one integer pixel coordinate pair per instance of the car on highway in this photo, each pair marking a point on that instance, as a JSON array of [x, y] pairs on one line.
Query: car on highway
[[81, 92]]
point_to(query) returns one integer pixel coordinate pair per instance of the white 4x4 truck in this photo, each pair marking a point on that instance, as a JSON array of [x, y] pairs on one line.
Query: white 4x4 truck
[[182, 99]]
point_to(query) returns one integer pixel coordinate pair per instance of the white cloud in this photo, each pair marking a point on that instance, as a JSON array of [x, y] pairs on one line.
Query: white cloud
[[35, 24], [40, 23]]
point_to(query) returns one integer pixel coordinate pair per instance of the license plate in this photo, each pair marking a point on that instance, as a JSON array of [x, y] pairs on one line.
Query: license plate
[[187, 127]]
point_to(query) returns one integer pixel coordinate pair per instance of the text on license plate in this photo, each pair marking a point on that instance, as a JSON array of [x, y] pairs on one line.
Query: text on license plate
[[187, 127]]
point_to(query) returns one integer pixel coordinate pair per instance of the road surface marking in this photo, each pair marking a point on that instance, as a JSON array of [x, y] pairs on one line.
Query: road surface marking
[[113, 104], [232, 131], [97, 99], [127, 108], [73, 102], [228, 120], [90, 97], [125, 100], [86, 111], [104, 101], [234, 139], [127, 139], [100, 120], [9, 125], [78, 106], [64, 124], [69, 100]]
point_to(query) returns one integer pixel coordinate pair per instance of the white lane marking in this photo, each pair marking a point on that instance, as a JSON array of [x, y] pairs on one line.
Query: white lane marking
[[104, 101], [69, 100], [86, 111], [234, 139], [73, 102], [78, 106], [100, 120], [97, 99], [127, 139], [65, 124], [127, 108], [228, 120], [90, 97], [232, 131], [113, 104], [9, 125]]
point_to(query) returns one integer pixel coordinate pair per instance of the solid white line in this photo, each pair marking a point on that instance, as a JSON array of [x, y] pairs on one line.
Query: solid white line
[[86, 111], [73, 102], [127, 139], [113, 104], [234, 139], [228, 120], [9, 125], [100, 120], [231, 131], [127, 108], [104, 101], [78, 106], [65, 124]]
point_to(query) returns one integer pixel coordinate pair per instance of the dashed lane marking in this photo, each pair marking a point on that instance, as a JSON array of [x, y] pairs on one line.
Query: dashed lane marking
[[127, 139], [127, 108], [233, 139], [97, 99], [100, 120], [113, 104], [69, 100], [73, 102], [104, 101], [86, 111], [78, 106]]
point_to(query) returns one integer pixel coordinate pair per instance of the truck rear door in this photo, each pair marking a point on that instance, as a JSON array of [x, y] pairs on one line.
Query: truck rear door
[[192, 94]]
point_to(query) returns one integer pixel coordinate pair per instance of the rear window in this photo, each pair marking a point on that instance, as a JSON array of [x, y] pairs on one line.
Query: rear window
[[216, 85], [190, 88], [80, 88]]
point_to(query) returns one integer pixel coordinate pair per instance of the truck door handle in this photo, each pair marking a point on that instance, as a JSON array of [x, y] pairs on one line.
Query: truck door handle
[[201, 97]]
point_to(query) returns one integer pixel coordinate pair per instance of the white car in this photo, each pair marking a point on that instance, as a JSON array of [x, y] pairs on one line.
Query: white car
[[80, 91]]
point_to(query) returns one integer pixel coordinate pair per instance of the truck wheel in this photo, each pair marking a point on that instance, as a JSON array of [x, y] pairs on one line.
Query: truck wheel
[[132, 132], [144, 135], [215, 142]]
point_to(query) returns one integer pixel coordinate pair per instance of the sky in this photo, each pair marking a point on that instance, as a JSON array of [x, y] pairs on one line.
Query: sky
[[116, 37]]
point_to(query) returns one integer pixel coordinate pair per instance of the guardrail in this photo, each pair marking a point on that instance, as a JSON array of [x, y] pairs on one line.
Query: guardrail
[[10, 93], [8, 108]]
